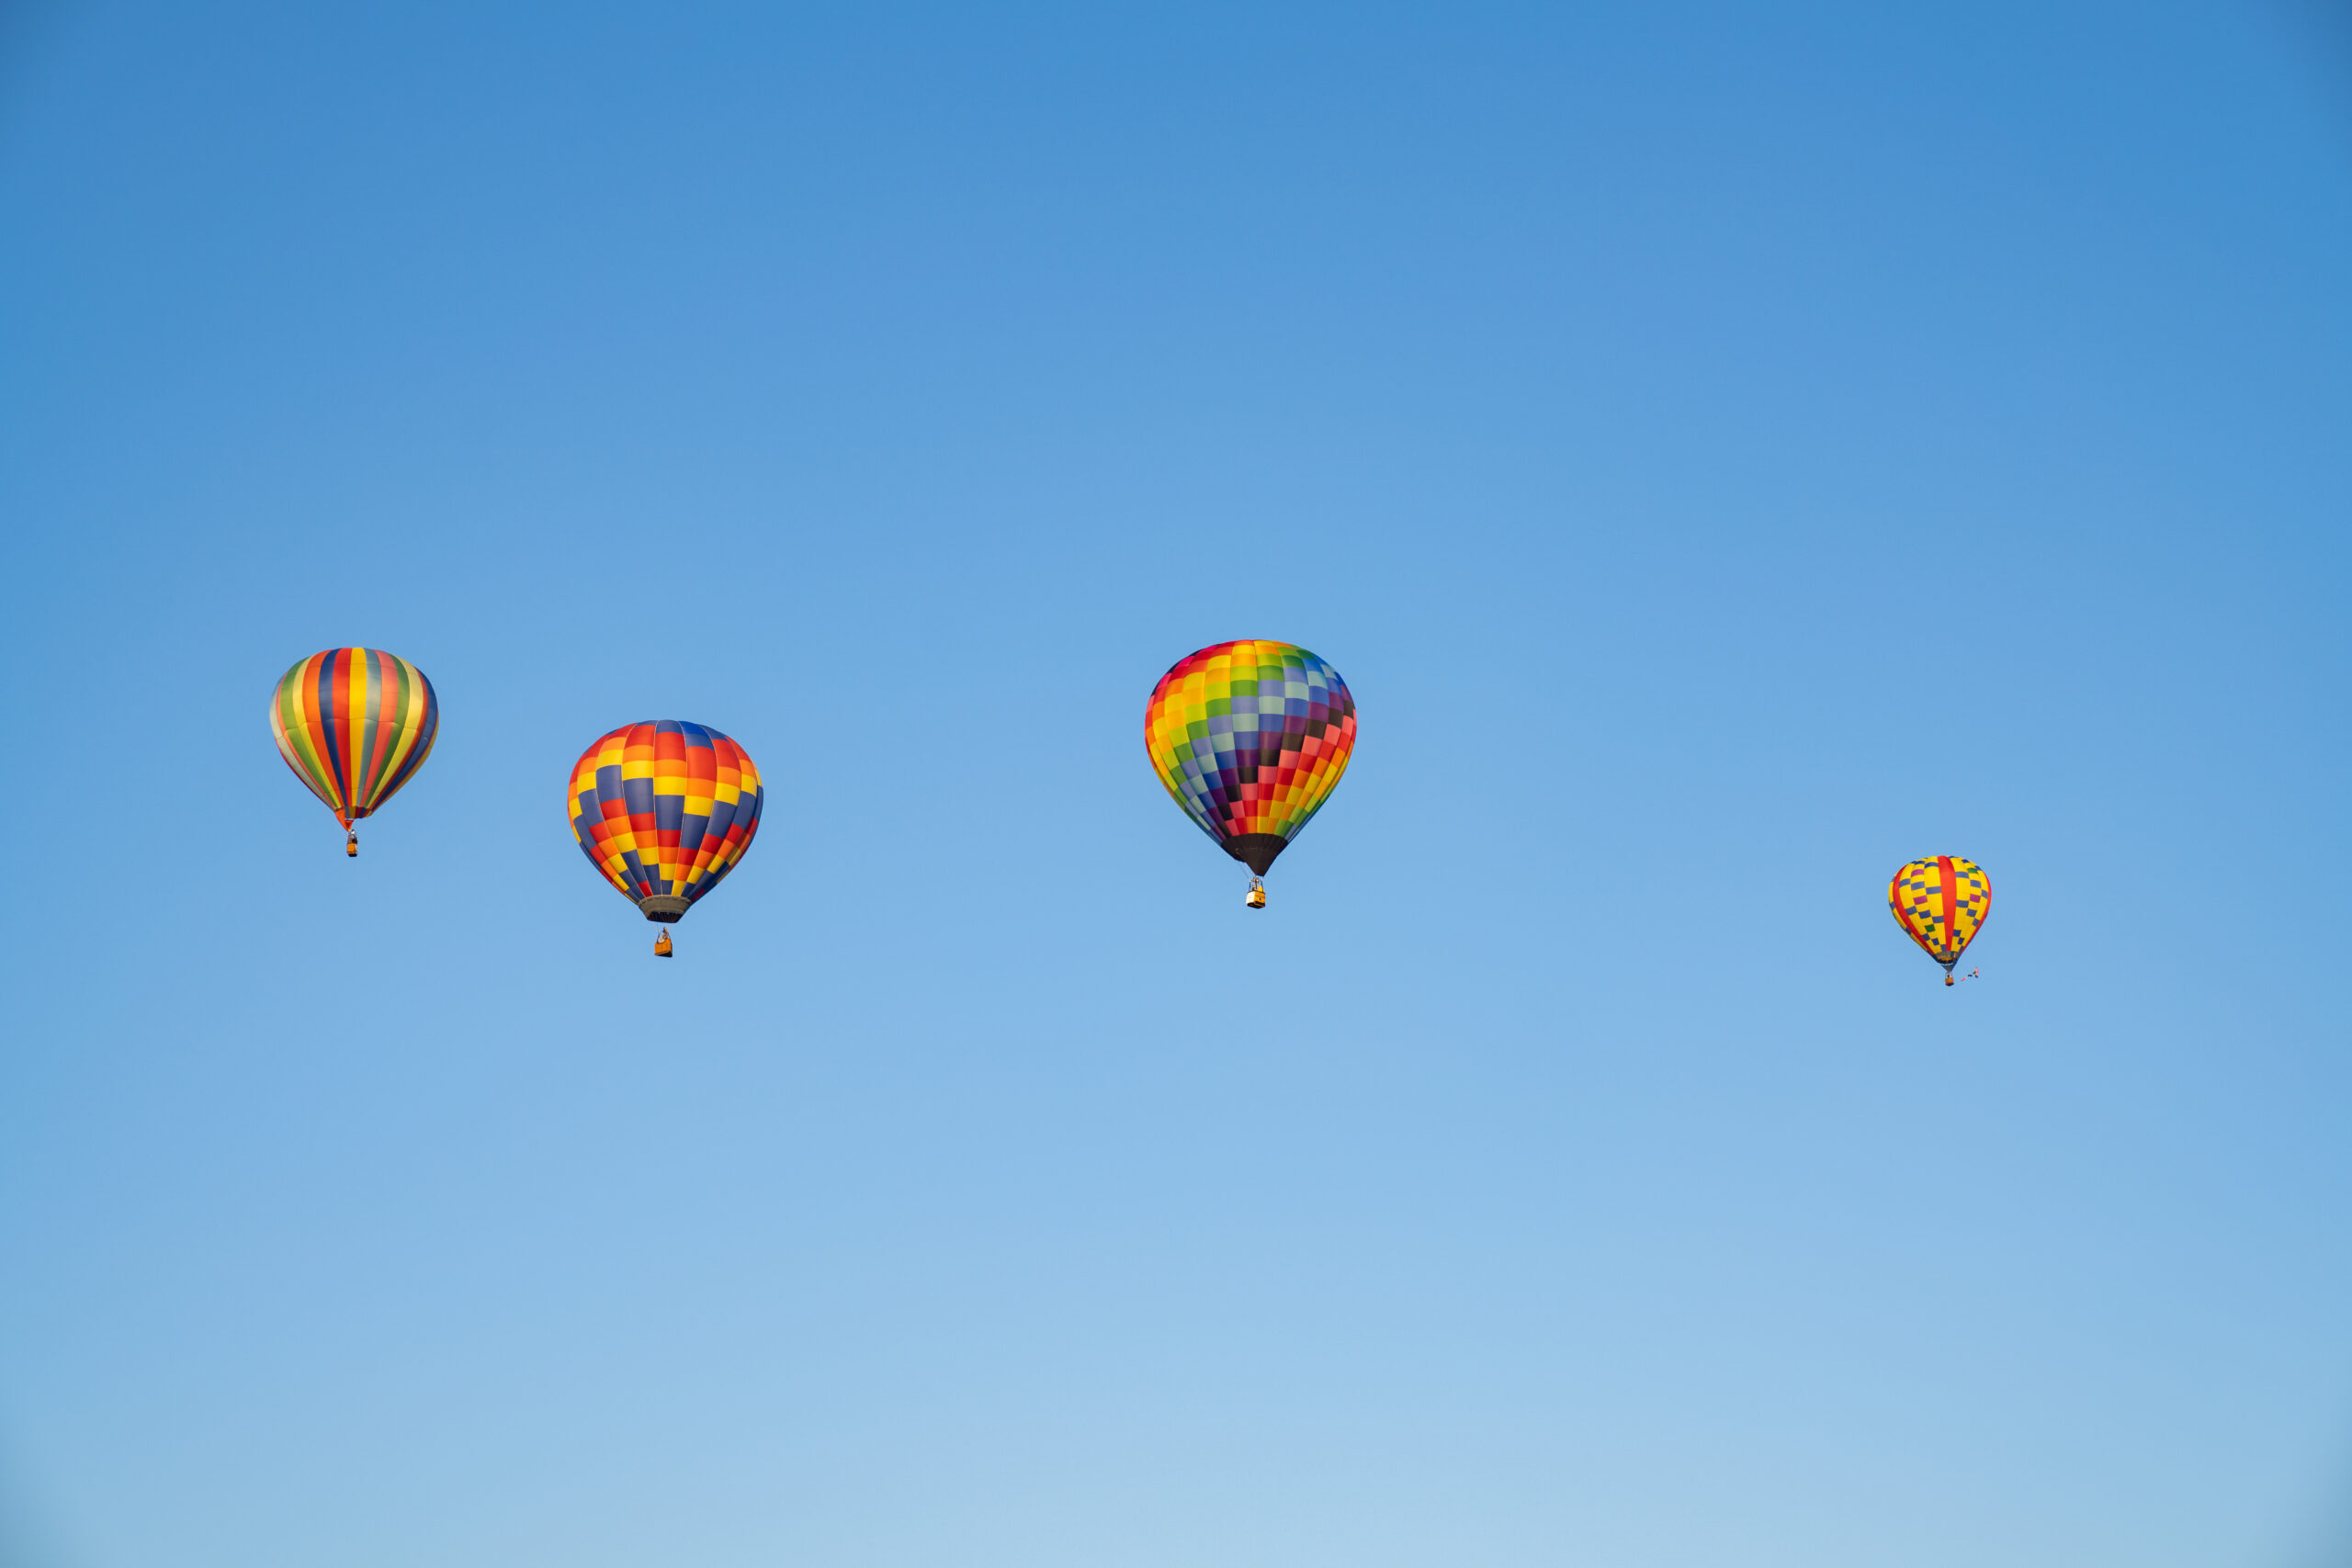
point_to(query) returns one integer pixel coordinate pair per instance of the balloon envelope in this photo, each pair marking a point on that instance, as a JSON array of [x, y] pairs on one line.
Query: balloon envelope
[[664, 810], [355, 724], [1249, 738], [1940, 903]]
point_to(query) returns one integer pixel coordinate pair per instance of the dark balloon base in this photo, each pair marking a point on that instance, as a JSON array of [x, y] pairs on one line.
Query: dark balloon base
[[1256, 850], [665, 907]]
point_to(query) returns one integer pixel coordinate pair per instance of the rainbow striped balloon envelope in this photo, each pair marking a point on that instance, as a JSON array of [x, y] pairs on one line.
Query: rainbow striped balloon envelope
[[1250, 738], [664, 810], [1941, 904], [355, 724]]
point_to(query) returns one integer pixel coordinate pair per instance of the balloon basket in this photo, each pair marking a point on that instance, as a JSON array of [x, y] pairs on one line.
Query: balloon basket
[[661, 945], [351, 845], [1257, 898]]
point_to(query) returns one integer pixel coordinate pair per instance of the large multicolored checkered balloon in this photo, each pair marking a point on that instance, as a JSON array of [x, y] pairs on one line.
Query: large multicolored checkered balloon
[[1941, 904], [1250, 737], [663, 810], [355, 724]]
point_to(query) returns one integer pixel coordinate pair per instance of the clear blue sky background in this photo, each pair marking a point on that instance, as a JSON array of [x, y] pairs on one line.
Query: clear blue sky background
[[1728, 450]]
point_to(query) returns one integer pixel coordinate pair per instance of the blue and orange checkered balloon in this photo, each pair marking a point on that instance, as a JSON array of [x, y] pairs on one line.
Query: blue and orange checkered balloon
[[663, 810], [1940, 903], [1249, 738]]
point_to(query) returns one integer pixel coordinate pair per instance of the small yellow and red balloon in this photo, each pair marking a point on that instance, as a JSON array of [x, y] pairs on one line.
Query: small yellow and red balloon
[[1940, 903]]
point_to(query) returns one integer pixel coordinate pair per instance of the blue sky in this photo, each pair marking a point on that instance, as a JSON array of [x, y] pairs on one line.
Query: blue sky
[[1729, 451]]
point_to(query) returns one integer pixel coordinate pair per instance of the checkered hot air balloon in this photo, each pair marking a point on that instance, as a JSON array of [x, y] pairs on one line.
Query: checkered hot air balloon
[[1249, 738], [663, 810], [1941, 904], [355, 724]]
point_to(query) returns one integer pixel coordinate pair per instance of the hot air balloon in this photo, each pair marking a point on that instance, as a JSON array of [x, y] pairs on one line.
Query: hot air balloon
[[1249, 738], [663, 810], [355, 724], [1941, 904]]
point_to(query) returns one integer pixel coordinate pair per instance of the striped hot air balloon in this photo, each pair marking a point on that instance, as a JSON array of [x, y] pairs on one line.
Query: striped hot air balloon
[[1249, 738], [663, 810], [1940, 903], [355, 724]]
